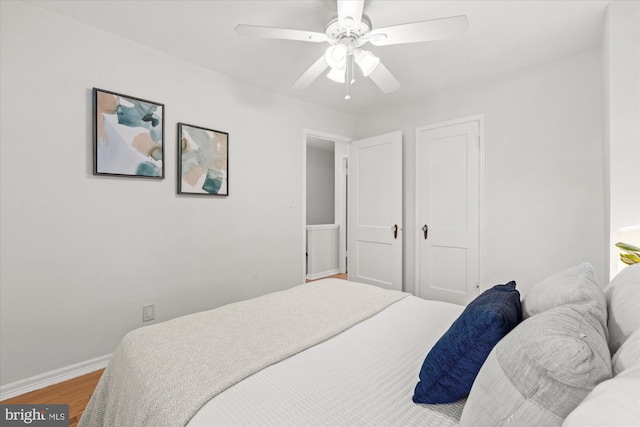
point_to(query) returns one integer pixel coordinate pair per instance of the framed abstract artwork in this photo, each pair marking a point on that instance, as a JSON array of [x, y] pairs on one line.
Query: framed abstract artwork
[[128, 136], [203, 161]]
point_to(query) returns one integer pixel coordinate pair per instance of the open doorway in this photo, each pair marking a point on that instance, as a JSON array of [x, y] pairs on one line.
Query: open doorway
[[321, 189], [325, 158]]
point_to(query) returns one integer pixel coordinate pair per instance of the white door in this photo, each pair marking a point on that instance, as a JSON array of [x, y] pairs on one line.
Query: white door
[[375, 211], [448, 211]]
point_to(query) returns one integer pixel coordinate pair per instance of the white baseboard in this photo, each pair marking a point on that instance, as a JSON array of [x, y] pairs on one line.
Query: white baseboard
[[53, 377], [322, 274]]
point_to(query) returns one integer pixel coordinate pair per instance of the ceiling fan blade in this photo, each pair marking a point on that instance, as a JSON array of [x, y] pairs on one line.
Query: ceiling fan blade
[[311, 74], [280, 33], [423, 31], [383, 78], [350, 10]]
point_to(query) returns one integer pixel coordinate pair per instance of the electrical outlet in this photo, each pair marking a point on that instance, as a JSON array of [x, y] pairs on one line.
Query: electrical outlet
[[148, 312]]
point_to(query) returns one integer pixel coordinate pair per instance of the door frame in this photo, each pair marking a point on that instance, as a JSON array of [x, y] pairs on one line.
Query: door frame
[[480, 118], [340, 216]]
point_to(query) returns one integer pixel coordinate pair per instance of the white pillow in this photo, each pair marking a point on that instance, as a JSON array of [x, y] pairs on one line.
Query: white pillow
[[623, 305], [628, 355], [572, 285], [612, 403]]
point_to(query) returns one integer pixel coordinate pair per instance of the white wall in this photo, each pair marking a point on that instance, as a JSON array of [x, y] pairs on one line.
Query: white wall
[[320, 186], [81, 254], [621, 125], [543, 193]]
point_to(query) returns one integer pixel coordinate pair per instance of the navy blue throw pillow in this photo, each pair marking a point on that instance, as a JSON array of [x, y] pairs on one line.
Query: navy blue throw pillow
[[453, 363]]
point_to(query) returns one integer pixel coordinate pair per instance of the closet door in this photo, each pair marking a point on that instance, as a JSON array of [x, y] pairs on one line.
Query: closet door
[[448, 211], [375, 211]]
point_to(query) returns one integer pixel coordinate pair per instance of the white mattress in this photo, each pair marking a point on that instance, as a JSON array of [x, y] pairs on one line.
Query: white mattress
[[364, 376]]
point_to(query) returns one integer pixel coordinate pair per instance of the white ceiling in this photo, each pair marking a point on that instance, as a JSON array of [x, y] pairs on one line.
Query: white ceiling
[[503, 36]]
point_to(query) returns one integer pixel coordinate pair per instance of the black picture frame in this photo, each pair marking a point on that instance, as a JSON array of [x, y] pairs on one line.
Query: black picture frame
[[203, 161], [128, 136]]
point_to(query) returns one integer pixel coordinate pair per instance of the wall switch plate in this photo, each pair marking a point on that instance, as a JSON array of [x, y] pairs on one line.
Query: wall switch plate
[[148, 312]]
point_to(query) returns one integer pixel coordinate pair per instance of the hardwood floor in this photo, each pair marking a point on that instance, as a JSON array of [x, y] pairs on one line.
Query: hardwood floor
[[335, 276], [75, 392]]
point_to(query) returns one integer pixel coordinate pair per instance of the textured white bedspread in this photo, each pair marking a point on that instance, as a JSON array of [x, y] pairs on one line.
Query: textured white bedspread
[[161, 375], [364, 376]]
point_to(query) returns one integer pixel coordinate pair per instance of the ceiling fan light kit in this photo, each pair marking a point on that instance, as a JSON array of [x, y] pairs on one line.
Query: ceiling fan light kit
[[336, 55], [366, 60], [338, 75], [350, 30]]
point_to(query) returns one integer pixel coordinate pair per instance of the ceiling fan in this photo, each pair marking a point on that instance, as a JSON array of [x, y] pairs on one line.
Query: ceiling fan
[[347, 32]]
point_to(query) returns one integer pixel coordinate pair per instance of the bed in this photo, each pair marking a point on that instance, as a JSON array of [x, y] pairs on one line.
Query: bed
[[340, 353]]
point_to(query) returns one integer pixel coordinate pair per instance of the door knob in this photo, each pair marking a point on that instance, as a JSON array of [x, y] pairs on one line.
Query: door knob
[[425, 229], [395, 231]]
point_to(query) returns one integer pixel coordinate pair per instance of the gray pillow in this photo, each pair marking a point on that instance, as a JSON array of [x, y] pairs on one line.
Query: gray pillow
[[572, 285], [541, 370], [623, 300]]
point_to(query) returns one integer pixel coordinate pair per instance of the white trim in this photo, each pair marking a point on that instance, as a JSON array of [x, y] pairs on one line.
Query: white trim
[[342, 161], [306, 133], [323, 227], [481, 230], [480, 118], [56, 376]]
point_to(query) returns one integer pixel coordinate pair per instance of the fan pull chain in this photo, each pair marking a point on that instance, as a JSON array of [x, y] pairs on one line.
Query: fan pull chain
[[353, 71], [347, 96], [349, 81]]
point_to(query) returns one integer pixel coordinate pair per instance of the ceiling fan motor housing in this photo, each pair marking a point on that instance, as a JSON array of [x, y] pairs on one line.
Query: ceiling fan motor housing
[[336, 33]]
